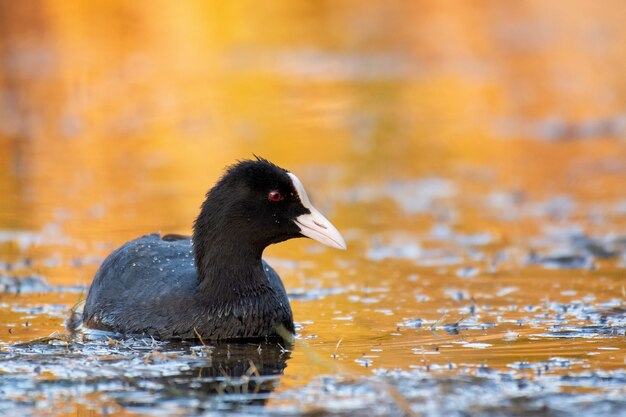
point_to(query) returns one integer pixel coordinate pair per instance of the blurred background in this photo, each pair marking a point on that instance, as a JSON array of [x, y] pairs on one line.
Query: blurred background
[[448, 141], [118, 114]]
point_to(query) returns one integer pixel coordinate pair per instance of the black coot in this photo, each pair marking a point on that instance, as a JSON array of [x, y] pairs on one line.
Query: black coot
[[215, 284]]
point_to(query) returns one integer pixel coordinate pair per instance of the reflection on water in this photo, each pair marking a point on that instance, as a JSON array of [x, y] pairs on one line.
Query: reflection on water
[[141, 375], [472, 154]]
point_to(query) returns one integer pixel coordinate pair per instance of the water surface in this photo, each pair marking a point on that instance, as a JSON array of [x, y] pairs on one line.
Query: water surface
[[473, 155]]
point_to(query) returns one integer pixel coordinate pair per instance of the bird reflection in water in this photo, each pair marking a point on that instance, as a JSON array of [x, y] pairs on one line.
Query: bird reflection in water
[[231, 374]]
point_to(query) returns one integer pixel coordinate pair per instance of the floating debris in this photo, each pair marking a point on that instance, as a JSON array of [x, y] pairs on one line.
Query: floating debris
[[33, 284], [483, 392], [467, 272], [565, 261], [23, 284], [203, 375], [412, 323]]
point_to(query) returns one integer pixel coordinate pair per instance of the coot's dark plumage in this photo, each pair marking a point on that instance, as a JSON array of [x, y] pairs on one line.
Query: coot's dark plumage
[[214, 285]]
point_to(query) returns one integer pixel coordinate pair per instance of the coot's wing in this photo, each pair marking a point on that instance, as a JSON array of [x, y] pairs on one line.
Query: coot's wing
[[141, 286]]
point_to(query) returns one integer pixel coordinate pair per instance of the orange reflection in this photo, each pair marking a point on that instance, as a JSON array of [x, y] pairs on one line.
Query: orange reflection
[[115, 118]]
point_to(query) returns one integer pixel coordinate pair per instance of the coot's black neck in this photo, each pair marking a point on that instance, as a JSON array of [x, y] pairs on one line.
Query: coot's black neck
[[227, 255]]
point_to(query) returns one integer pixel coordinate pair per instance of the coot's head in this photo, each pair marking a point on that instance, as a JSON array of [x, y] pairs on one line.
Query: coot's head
[[259, 203]]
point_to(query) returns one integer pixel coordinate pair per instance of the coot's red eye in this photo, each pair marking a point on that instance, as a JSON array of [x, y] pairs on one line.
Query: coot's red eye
[[275, 196]]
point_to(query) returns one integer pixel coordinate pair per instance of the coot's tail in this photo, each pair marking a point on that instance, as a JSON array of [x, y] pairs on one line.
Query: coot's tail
[[75, 318]]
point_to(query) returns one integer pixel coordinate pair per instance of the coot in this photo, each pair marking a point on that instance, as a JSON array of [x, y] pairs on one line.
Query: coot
[[213, 285]]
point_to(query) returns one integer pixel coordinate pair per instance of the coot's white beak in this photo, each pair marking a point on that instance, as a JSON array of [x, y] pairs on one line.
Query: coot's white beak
[[314, 224], [317, 227]]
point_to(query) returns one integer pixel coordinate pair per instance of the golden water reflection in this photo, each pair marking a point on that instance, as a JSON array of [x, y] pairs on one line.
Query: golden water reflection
[[415, 125]]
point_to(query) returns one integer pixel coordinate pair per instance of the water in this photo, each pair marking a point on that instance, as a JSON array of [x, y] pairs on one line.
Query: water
[[473, 158]]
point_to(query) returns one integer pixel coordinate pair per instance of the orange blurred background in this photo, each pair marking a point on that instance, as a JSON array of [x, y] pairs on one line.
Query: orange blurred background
[[117, 116]]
